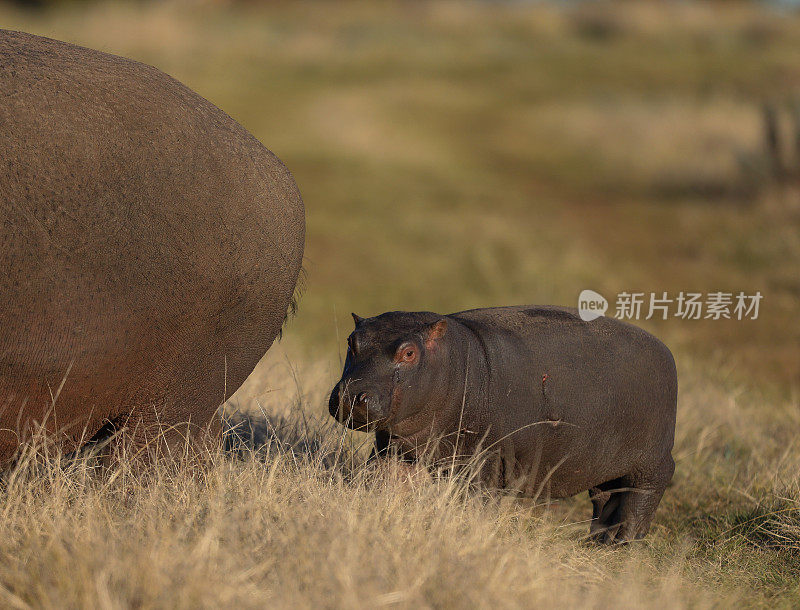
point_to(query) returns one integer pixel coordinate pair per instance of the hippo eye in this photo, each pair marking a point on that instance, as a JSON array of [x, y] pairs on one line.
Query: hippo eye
[[406, 353]]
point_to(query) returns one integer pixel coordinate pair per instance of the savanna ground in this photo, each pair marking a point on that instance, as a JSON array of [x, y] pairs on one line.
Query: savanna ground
[[458, 155]]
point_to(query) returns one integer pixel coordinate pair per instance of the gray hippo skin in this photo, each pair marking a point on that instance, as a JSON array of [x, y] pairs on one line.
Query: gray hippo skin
[[558, 405], [149, 248]]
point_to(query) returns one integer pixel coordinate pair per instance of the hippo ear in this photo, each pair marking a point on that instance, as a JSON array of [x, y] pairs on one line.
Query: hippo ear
[[435, 332], [357, 318]]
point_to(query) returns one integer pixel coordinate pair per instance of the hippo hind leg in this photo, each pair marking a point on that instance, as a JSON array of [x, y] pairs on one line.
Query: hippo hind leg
[[624, 508], [605, 508], [147, 434]]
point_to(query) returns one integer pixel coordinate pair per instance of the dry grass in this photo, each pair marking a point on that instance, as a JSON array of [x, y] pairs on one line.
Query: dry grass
[[455, 155], [302, 521]]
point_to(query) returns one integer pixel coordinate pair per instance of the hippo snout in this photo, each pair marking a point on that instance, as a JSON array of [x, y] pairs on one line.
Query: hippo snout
[[334, 401], [358, 409]]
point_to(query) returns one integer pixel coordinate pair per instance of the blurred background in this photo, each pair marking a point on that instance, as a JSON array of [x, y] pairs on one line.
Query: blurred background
[[468, 154]]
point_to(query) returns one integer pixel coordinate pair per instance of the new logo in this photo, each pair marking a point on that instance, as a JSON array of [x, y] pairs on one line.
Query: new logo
[[591, 305]]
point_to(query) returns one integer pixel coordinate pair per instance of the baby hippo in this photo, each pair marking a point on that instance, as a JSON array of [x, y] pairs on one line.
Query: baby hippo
[[552, 404]]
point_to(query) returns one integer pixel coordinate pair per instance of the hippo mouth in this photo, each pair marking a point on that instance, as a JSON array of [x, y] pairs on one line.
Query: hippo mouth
[[362, 412], [383, 418], [356, 422]]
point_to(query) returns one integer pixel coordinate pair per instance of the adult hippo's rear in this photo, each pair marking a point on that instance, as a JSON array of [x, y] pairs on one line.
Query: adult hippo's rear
[[149, 246]]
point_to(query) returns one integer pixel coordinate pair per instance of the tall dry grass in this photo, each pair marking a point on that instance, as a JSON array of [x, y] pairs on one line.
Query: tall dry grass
[[294, 516]]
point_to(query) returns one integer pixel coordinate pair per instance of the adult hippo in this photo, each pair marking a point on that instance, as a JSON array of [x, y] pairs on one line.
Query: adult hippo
[[149, 248]]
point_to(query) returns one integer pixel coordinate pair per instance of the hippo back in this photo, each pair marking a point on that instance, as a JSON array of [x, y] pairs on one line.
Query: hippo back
[[149, 245]]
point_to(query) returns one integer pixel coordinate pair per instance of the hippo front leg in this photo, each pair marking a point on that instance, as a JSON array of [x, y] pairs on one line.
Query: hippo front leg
[[391, 465], [385, 448], [381, 447]]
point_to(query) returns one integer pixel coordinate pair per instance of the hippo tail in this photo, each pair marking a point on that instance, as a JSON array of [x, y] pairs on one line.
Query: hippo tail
[[294, 303]]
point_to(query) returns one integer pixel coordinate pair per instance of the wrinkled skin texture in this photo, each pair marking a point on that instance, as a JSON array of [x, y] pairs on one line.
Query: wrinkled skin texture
[[149, 247], [555, 405]]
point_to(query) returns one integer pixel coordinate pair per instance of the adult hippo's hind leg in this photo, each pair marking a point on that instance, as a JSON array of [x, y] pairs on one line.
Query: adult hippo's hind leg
[[175, 438], [147, 434]]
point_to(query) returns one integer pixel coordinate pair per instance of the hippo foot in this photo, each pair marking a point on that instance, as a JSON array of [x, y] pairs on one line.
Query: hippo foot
[[623, 508]]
